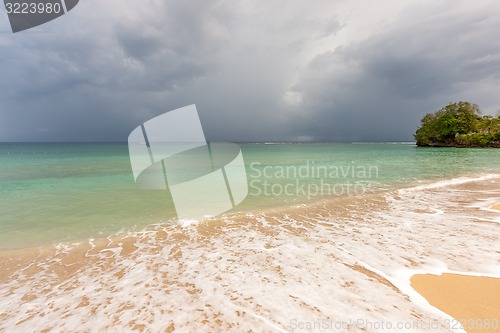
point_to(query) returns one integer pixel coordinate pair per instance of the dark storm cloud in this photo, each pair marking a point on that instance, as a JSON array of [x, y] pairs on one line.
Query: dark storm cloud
[[379, 88], [258, 71], [90, 85]]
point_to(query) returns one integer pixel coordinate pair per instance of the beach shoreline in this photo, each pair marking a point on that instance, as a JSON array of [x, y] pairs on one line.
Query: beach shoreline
[[232, 270]]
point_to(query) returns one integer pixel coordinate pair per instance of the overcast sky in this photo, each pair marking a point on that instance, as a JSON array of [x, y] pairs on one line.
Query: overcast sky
[[257, 70]]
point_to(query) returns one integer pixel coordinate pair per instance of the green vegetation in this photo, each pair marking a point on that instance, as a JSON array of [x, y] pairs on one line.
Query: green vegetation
[[459, 125]]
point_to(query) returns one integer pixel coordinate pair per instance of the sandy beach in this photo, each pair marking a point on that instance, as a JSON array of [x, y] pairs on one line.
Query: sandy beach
[[474, 301], [335, 263]]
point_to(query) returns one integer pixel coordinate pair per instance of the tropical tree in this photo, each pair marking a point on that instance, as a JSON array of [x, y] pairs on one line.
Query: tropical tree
[[445, 124]]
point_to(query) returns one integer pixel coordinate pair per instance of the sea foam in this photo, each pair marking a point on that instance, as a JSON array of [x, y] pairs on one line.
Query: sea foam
[[316, 266]]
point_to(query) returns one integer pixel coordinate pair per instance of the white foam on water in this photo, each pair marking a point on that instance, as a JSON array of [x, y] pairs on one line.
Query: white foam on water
[[266, 272], [187, 222], [451, 182]]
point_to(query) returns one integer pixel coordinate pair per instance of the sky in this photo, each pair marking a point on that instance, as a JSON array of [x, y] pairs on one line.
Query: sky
[[257, 70]]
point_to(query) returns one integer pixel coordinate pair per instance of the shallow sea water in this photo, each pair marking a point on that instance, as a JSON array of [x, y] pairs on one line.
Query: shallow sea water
[[83, 250], [339, 265]]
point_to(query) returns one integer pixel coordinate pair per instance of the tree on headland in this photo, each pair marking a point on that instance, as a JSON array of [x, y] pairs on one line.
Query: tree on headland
[[459, 124]]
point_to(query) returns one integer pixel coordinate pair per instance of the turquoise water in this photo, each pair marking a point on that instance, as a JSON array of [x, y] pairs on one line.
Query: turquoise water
[[65, 192]]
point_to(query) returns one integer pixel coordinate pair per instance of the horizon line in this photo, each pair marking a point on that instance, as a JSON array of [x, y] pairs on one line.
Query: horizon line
[[262, 142]]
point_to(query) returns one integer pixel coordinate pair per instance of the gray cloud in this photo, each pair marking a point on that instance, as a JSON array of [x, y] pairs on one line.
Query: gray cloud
[[258, 71], [378, 88]]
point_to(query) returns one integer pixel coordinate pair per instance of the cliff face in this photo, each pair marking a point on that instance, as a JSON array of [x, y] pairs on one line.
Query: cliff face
[[454, 144]]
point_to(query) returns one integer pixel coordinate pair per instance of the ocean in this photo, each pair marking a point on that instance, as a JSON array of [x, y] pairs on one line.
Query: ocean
[[328, 235]]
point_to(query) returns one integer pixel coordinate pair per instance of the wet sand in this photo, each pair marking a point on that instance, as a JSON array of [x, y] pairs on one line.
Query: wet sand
[[328, 261], [474, 301]]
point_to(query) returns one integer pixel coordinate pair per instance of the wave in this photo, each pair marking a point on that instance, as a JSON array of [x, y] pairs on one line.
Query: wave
[[335, 261], [453, 181]]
